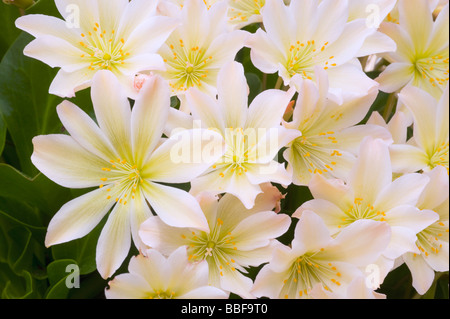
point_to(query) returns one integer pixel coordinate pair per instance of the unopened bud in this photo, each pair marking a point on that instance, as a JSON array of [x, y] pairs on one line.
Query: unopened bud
[[139, 81], [23, 4]]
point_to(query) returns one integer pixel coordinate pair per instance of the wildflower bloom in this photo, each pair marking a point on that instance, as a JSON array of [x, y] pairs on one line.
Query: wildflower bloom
[[330, 135], [421, 58], [125, 158], [154, 276], [294, 43], [199, 47], [370, 193], [429, 145], [236, 239], [115, 35], [253, 135], [244, 12], [315, 258], [433, 240]]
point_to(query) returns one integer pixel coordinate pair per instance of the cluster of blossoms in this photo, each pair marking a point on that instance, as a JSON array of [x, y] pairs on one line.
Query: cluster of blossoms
[[379, 186]]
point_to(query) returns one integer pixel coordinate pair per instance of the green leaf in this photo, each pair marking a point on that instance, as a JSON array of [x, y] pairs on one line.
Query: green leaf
[[81, 250], [58, 276], [38, 192], [27, 108], [15, 286], [2, 134], [8, 16]]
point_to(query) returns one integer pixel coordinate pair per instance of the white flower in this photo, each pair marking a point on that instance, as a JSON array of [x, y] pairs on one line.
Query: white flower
[[357, 289], [429, 146], [124, 157], [199, 47], [156, 277], [253, 135], [244, 12], [421, 58], [115, 35], [316, 258], [330, 132], [236, 239], [307, 34], [433, 240], [370, 193], [435, 5]]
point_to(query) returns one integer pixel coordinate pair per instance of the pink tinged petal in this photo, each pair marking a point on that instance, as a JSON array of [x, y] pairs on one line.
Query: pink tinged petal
[[417, 18], [148, 118], [411, 217], [205, 292], [332, 16], [405, 190], [395, 77], [205, 109], [407, 158], [348, 81], [174, 206], [39, 25], [272, 172], [403, 240], [350, 139], [184, 156], [424, 109], [264, 54], [156, 30], [127, 286], [64, 161], [373, 238], [311, 233], [233, 95], [349, 43], [224, 48], [422, 274], [268, 283], [267, 109], [334, 191], [85, 131], [331, 214], [437, 190], [237, 283], [257, 230], [112, 110], [78, 217], [377, 43], [114, 242], [372, 171], [279, 23], [440, 35], [56, 52], [135, 13], [162, 237], [65, 84], [150, 268]]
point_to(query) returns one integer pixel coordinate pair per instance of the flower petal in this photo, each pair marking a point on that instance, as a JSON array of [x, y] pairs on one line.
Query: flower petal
[[395, 77], [174, 206], [78, 217], [114, 242]]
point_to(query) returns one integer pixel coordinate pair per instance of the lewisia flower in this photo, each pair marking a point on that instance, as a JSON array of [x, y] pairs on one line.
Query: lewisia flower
[[330, 135], [253, 135], [236, 239], [199, 47], [357, 289], [421, 58], [429, 145], [125, 158], [240, 12], [434, 5], [156, 277], [433, 240], [295, 43], [316, 260], [116, 35], [371, 194]]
